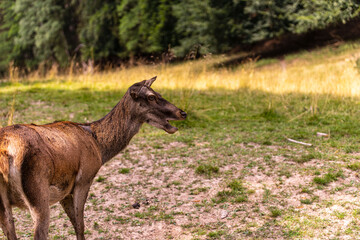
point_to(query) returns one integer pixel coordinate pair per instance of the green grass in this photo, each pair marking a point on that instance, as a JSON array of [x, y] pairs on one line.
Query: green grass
[[124, 170], [354, 166], [230, 138], [329, 177], [235, 192], [237, 126], [216, 234], [242, 115], [207, 169], [275, 212], [100, 179]]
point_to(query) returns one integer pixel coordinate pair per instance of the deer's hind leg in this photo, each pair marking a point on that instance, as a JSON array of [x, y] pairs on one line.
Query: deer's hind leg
[[36, 190], [6, 217], [38, 204]]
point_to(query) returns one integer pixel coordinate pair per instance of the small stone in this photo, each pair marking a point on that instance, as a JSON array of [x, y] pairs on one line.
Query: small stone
[[136, 205], [224, 214], [147, 202]]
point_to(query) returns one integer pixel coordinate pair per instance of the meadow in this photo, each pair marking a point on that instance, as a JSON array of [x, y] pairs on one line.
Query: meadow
[[230, 172]]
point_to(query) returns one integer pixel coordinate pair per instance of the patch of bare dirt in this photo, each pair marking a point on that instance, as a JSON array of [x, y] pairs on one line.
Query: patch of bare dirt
[[173, 202]]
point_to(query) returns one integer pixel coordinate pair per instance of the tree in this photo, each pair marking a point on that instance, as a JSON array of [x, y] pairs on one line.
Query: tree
[[146, 27], [43, 32], [193, 28], [227, 24], [317, 14], [99, 30], [267, 19], [8, 31], [45, 28]]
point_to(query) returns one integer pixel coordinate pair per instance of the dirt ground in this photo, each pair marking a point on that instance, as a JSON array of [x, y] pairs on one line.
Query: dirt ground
[[146, 193]]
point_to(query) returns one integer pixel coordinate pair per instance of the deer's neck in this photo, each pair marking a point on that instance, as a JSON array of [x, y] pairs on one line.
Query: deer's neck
[[116, 129]]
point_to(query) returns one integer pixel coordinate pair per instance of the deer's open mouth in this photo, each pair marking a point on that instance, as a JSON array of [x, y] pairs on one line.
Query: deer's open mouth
[[164, 125], [169, 128]]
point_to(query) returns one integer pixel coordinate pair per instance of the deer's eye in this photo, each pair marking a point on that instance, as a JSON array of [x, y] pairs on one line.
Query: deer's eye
[[151, 97]]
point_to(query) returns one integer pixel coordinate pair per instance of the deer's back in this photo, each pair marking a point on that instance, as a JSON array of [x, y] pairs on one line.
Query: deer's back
[[60, 153]]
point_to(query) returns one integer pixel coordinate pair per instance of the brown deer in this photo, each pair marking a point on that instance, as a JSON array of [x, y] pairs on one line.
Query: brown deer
[[44, 164]]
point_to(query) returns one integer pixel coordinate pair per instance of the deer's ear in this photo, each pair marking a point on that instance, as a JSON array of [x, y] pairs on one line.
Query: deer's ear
[[133, 93], [150, 81]]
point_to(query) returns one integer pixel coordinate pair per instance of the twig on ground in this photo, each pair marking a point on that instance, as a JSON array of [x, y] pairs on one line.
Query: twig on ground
[[302, 143], [320, 134]]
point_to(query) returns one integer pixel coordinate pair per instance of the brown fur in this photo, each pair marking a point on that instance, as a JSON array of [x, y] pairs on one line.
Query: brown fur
[[44, 164]]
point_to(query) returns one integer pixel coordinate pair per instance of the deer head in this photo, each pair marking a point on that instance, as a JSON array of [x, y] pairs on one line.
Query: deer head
[[152, 108]]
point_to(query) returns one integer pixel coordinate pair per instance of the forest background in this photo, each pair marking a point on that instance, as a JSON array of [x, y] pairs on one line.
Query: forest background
[[39, 34]]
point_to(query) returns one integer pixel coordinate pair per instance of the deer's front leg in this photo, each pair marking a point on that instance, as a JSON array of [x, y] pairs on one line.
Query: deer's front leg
[[68, 205], [73, 205]]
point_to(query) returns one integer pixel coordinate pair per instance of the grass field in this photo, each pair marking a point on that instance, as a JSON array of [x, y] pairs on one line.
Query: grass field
[[229, 172]]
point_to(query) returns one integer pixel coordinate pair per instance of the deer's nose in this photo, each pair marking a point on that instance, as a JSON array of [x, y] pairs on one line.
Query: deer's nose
[[183, 114]]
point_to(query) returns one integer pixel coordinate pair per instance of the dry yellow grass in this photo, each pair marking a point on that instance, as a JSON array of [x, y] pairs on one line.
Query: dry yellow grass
[[336, 75]]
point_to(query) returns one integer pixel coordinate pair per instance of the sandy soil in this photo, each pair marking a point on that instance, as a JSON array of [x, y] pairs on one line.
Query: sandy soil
[[176, 203]]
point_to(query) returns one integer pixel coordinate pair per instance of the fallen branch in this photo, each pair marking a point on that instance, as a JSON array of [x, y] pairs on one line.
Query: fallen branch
[[320, 134], [298, 142]]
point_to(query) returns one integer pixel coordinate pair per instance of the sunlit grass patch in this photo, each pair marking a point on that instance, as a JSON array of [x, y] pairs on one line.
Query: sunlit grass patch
[[235, 192], [355, 166], [330, 72], [207, 169], [303, 225], [275, 212], [329, 177], [305, 158]]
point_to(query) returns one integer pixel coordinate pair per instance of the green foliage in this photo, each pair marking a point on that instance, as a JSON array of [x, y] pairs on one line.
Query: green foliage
[[267, 19], [98, 33], [227, 23], [40, 33], [145, 26], [315, 14], [208, 26], [8, 30], [193, 28], [45, 27]]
